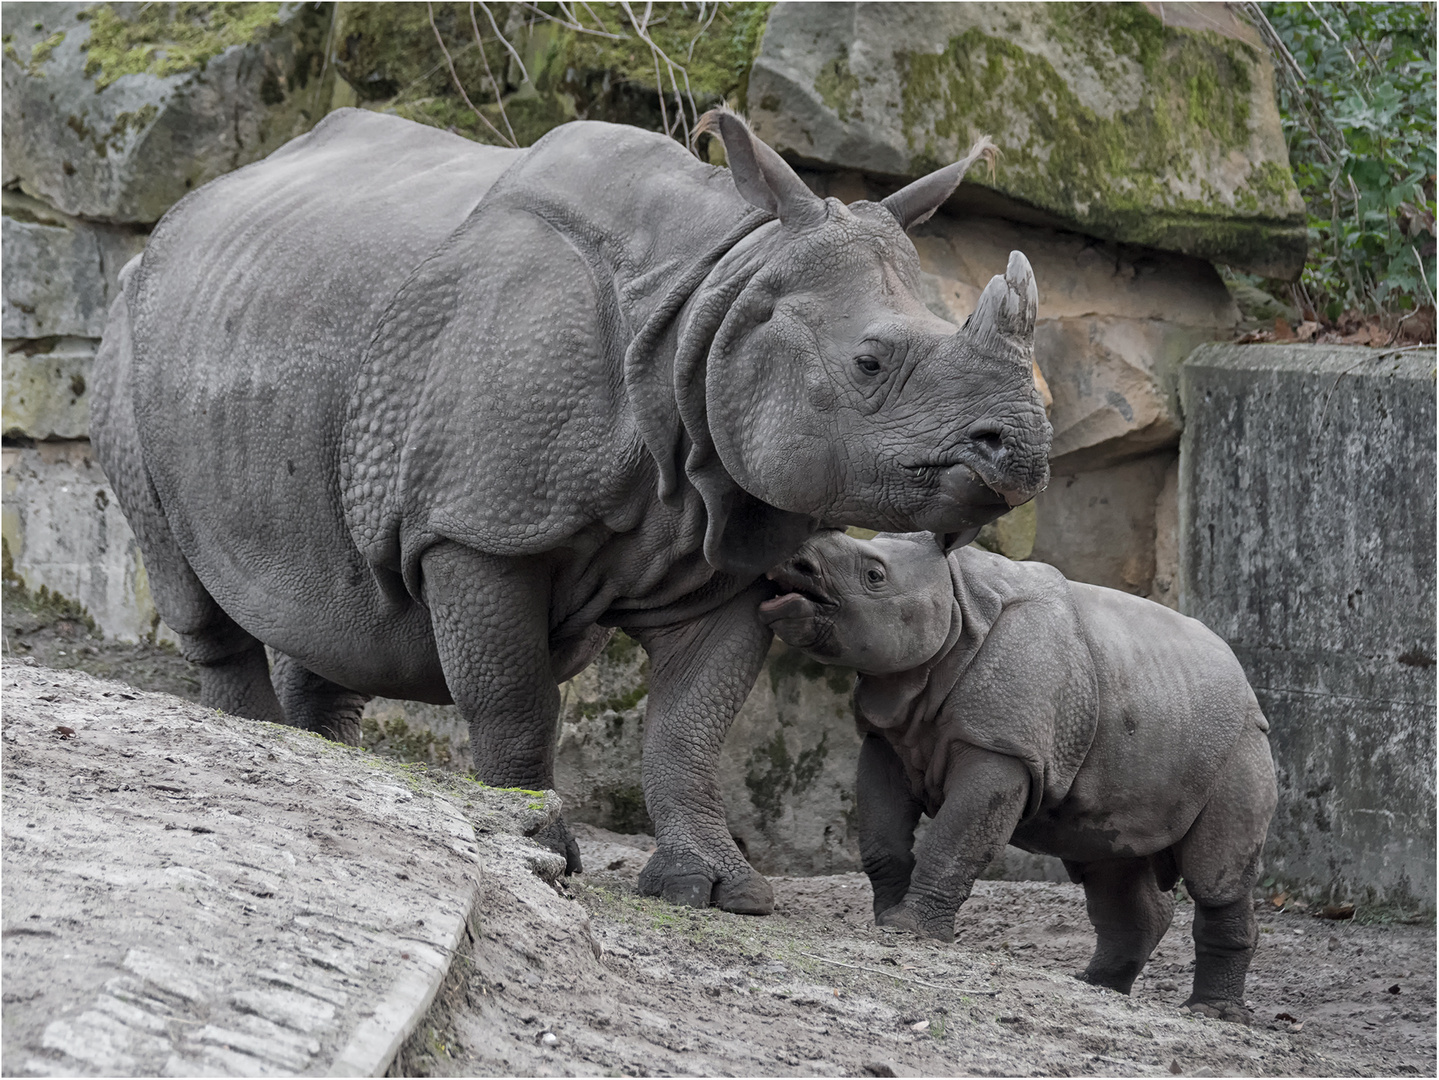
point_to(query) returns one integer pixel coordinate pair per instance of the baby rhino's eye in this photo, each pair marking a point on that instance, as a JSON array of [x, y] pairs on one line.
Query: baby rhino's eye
[[874, 575]]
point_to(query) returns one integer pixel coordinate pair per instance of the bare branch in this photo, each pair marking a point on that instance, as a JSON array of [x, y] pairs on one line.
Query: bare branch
[[570, 25], [494, 84], [524, 74], [450, 63]]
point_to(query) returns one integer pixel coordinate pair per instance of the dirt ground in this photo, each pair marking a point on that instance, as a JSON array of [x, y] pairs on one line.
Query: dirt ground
[[614, 984], [816, 989]]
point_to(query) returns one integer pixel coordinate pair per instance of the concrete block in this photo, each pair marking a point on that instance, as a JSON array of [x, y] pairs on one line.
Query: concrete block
[[1100, 526], [1307, 531], [47, 388], [63, 530]]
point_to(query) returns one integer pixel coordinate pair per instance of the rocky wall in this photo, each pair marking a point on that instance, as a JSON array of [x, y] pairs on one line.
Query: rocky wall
[[1307, 516]]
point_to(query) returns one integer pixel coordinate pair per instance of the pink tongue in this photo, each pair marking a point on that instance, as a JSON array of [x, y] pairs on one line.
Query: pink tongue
[[778, 602]]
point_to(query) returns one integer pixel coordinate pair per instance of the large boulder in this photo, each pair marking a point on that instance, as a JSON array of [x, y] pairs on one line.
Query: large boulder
[[1154, 124], [114, 112]]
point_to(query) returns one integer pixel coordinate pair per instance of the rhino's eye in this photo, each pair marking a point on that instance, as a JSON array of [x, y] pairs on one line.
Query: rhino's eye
[[867, 364], [874, 575]]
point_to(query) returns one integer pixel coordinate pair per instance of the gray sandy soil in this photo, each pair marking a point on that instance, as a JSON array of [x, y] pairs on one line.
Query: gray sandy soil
[[815, 989]]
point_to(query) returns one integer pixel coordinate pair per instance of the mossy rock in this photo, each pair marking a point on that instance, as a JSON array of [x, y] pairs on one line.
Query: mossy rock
[[390, 55], [115, 112], [1121, 121]]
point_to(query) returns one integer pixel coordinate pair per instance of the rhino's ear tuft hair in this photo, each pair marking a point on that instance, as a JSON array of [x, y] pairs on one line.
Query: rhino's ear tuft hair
[[1007, 309], [760, 175], [917, 202]]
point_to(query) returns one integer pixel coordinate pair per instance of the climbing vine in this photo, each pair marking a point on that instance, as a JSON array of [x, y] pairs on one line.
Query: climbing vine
[[1357, 97]]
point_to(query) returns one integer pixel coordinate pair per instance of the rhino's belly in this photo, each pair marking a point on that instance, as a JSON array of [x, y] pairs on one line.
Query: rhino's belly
[[1172, 702]]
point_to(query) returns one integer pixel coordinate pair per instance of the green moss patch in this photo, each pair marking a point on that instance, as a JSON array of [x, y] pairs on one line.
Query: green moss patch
[[169, 39], [1133, 174]]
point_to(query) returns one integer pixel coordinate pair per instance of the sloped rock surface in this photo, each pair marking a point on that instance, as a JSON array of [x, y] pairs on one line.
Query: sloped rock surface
[[192, 894]]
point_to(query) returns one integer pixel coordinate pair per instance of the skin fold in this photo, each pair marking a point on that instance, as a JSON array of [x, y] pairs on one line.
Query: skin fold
[[429, 419], [1013, 706]]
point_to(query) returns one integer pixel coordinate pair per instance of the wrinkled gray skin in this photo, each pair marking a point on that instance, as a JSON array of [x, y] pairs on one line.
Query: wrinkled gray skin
[[1014, 706], [429, 419]]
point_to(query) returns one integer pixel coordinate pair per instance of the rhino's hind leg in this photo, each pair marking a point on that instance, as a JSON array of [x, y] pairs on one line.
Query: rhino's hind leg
[[1129, 912], [315, 703], [1219, 858], [491, 621], [234, 673]]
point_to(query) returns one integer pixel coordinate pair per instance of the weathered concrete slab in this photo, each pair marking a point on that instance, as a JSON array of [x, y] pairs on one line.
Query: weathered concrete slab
[[1307, 513], [1154, 124], [192, 894]]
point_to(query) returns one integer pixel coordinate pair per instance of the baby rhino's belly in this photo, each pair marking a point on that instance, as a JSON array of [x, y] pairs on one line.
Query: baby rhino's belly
[[1172, 702]]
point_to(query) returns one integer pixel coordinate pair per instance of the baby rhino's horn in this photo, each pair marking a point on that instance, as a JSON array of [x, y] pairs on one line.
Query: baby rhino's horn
[[1003, 320]]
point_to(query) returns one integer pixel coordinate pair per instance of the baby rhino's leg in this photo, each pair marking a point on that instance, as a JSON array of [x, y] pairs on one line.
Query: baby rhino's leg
[[1130, 914], [1219, 858], [888, 814], [984, 795]]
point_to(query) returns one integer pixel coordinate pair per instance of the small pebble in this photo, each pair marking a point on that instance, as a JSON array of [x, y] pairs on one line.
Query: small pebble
[[549, 1038]]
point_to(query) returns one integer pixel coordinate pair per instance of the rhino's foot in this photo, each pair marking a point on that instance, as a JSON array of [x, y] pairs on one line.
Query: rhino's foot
[[904, 917], [1232, 1011], [557, 837], [685, 881]]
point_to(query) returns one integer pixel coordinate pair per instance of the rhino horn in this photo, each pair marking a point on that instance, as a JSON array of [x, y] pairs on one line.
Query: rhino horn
[[1003, 320], [915, 203], [761, 176]]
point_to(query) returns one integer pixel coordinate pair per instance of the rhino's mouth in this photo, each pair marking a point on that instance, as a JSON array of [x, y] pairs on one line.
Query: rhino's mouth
[[801, 612]]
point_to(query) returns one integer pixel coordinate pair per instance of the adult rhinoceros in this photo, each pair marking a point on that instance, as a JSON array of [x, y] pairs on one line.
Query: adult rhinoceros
[[430, 418]]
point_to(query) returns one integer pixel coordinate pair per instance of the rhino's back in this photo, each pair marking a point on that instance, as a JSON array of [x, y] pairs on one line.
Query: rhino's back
[[252, 309], [1172, 701]]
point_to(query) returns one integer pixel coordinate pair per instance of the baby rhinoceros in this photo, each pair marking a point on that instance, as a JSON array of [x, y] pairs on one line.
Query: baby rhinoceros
[[1014, 706]]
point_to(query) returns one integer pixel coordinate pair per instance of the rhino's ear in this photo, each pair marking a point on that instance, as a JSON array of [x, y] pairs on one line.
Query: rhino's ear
[[915, 203], [761, 175], [1003, 320]]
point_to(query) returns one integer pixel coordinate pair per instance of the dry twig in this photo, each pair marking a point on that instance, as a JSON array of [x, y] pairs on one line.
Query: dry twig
[[450, 63]]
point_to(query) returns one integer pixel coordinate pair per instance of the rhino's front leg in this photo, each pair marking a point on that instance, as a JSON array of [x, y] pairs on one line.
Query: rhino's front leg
[[491, 622], [984, 796], [888, 813], [700, 674]]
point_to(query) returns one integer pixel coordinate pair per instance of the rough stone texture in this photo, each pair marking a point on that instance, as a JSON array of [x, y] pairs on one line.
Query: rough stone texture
[[127, 151], [1153, 124], [47, 388], [191, 894], [1099, 526], [1307, 511], [63, 530], [60, 273]]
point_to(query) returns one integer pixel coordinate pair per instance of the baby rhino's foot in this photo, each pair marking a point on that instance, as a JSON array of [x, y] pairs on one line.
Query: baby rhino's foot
[[1232, 1011], [904, 917]]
